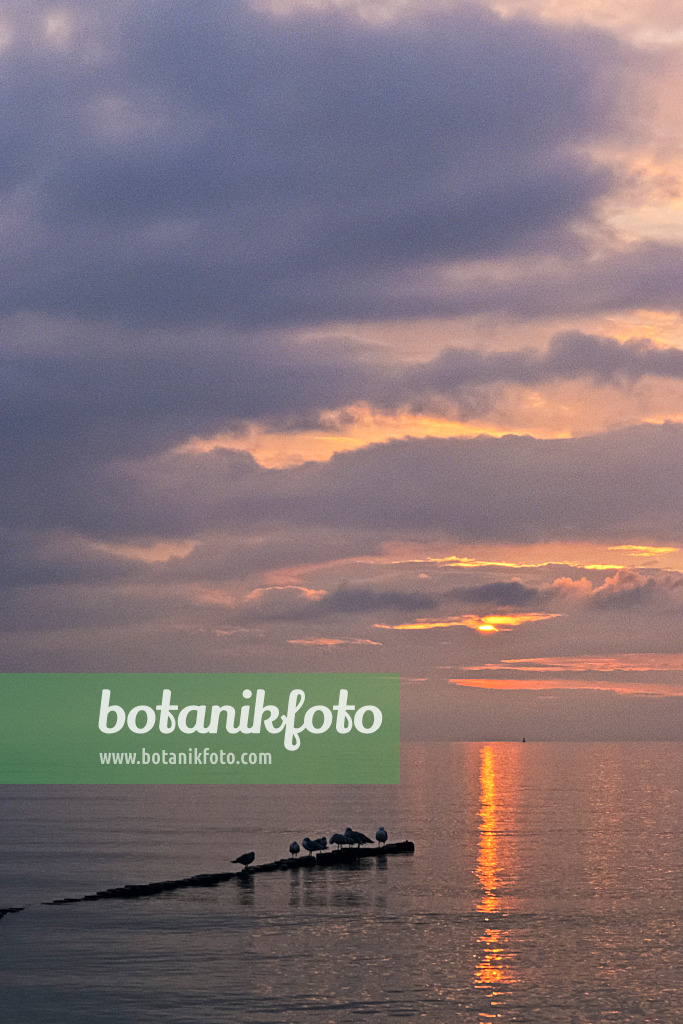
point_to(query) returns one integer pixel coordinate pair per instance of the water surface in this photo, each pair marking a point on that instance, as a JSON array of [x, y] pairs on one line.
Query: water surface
[[545, 886]]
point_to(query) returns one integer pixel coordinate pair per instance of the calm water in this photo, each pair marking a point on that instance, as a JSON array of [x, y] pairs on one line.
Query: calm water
[[545, 886]]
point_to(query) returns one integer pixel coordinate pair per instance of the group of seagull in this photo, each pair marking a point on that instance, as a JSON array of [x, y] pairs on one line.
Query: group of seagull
[[348, 838]]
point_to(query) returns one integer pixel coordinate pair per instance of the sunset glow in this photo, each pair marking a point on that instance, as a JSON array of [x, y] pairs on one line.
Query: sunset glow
[[341, 350], [485, 624], [495, 962], [660, 689], [369, 361], [620, 663]]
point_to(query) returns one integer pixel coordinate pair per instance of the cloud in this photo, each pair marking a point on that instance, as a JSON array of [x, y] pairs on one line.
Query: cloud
[[294, 603], [492, 606], [656, 662], [66, 410], [628, 588], [173, 163], [640, 688], [623, 486], [502, 594], [334, 642], [482, 623]]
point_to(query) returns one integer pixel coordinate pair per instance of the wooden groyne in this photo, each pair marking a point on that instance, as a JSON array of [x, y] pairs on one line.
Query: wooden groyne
[[326, 858]]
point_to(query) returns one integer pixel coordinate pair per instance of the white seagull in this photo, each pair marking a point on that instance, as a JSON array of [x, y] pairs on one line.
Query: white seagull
[[381, 835], [294, 848]]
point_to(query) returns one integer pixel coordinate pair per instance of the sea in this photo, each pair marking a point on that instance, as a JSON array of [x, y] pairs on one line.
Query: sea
[[545, 886]]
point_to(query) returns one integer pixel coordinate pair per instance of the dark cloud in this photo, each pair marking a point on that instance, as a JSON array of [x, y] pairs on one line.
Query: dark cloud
[[501, 594], [571, 355], [198, 162], [617, 486], [35, 559], [294, 603], [626, 589], [63, 412]]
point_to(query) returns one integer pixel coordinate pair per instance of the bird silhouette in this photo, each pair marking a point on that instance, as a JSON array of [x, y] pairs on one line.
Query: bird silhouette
[[357, 838], [381, 835], [245, 859], [314, 845], [294, 848]]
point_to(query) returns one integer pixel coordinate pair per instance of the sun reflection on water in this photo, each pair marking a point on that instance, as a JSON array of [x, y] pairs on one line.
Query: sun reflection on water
[[494, 967]]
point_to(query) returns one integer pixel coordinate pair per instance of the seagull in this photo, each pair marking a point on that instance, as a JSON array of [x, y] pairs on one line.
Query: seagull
[[340, 840], [381, 835], [314, 845], [358, 838], [294, 848], [245, 859]]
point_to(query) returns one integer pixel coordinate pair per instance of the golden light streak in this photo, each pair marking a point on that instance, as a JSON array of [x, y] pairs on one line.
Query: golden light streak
[[482, 623], [599, 566], [462, 561], [542, 556], [643, 550], [487, 861], [496, 964], [350, 428], [654, 689]]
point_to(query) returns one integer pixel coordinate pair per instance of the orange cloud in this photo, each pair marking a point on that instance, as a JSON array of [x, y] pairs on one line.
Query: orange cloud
[[643, 550], [565, 586], [482, 623], [612, 663], [340, 430], [647, 689]]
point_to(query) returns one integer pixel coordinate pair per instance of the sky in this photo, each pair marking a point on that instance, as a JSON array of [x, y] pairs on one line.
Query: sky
[[347, 337]]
